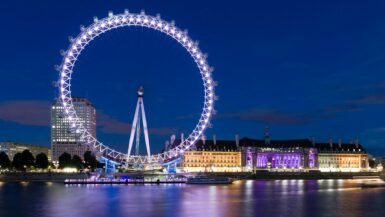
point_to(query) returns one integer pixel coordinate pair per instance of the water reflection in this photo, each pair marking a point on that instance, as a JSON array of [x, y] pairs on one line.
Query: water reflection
[[243, 198]]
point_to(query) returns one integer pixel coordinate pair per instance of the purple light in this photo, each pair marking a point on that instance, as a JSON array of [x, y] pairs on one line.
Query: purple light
[[249, 158], [312, 158], [278, 160]]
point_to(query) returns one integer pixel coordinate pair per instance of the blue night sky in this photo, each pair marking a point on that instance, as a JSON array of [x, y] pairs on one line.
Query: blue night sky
[[303, 68]]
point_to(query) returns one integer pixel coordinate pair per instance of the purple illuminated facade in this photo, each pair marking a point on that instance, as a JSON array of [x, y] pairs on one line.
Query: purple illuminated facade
[[288, 154], [279, 160]]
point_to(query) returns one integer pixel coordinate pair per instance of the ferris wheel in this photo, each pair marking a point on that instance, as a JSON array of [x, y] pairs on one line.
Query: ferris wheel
[[126, 19]]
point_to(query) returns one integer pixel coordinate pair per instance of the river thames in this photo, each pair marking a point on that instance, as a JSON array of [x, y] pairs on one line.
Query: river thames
[[242, 198]]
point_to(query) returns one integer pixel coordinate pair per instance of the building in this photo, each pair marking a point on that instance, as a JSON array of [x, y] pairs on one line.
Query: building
[[11, 148], [63, 138], [213, 156], [342, 157], [269, 154], [302, 155]]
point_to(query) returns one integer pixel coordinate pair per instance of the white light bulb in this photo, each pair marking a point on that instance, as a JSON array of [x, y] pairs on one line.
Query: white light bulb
[[152, 22], [90, 32]]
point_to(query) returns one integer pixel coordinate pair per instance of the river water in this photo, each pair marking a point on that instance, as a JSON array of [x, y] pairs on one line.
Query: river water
[[243, 198]]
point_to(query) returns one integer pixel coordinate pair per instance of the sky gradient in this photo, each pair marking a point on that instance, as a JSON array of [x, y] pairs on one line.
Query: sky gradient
[[304, 69]]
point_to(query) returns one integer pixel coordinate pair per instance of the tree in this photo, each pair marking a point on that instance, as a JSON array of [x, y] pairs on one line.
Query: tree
[[42, 161], [77, 162], [90, 160], [372, 163], [4, 161], [17, 162], [27, 158], [64, 160]]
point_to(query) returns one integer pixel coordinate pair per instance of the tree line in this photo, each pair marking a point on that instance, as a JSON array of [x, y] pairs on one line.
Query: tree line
[[90, 162], [26, 161]]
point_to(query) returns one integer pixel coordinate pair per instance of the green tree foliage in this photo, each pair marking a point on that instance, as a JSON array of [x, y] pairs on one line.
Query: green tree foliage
[[4, 161], [90, 160], [17, 162], [23, 161], [42, 161], [65, 160], [77, 162], [27, 158]]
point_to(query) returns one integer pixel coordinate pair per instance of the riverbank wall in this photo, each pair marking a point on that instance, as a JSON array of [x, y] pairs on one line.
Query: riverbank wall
[[40, 176]]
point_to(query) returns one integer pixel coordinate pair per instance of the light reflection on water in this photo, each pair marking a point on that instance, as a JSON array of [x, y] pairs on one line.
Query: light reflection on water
[[242, 198]]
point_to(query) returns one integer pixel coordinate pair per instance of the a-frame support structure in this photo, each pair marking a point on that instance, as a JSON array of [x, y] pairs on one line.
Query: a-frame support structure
[[135, 128]]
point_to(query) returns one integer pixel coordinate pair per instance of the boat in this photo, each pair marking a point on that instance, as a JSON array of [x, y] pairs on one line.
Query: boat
[[208, 180]]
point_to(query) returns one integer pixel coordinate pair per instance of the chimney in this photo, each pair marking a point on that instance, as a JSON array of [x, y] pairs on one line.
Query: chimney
[[357, 142], [339, 143], [313, 141], [237, 140], [172, 139], [181, 137], [215, 139], [331, 143], [267, 136]]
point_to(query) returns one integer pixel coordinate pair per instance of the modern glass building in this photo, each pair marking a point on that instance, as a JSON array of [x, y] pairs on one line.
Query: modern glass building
[[63, 137]]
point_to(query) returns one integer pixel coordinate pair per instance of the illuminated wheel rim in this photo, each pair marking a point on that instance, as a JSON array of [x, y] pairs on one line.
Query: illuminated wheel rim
[[126, 19]]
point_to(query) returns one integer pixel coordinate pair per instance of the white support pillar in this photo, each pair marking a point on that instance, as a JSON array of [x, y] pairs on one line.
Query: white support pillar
[[139, 114], [145, 129]]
